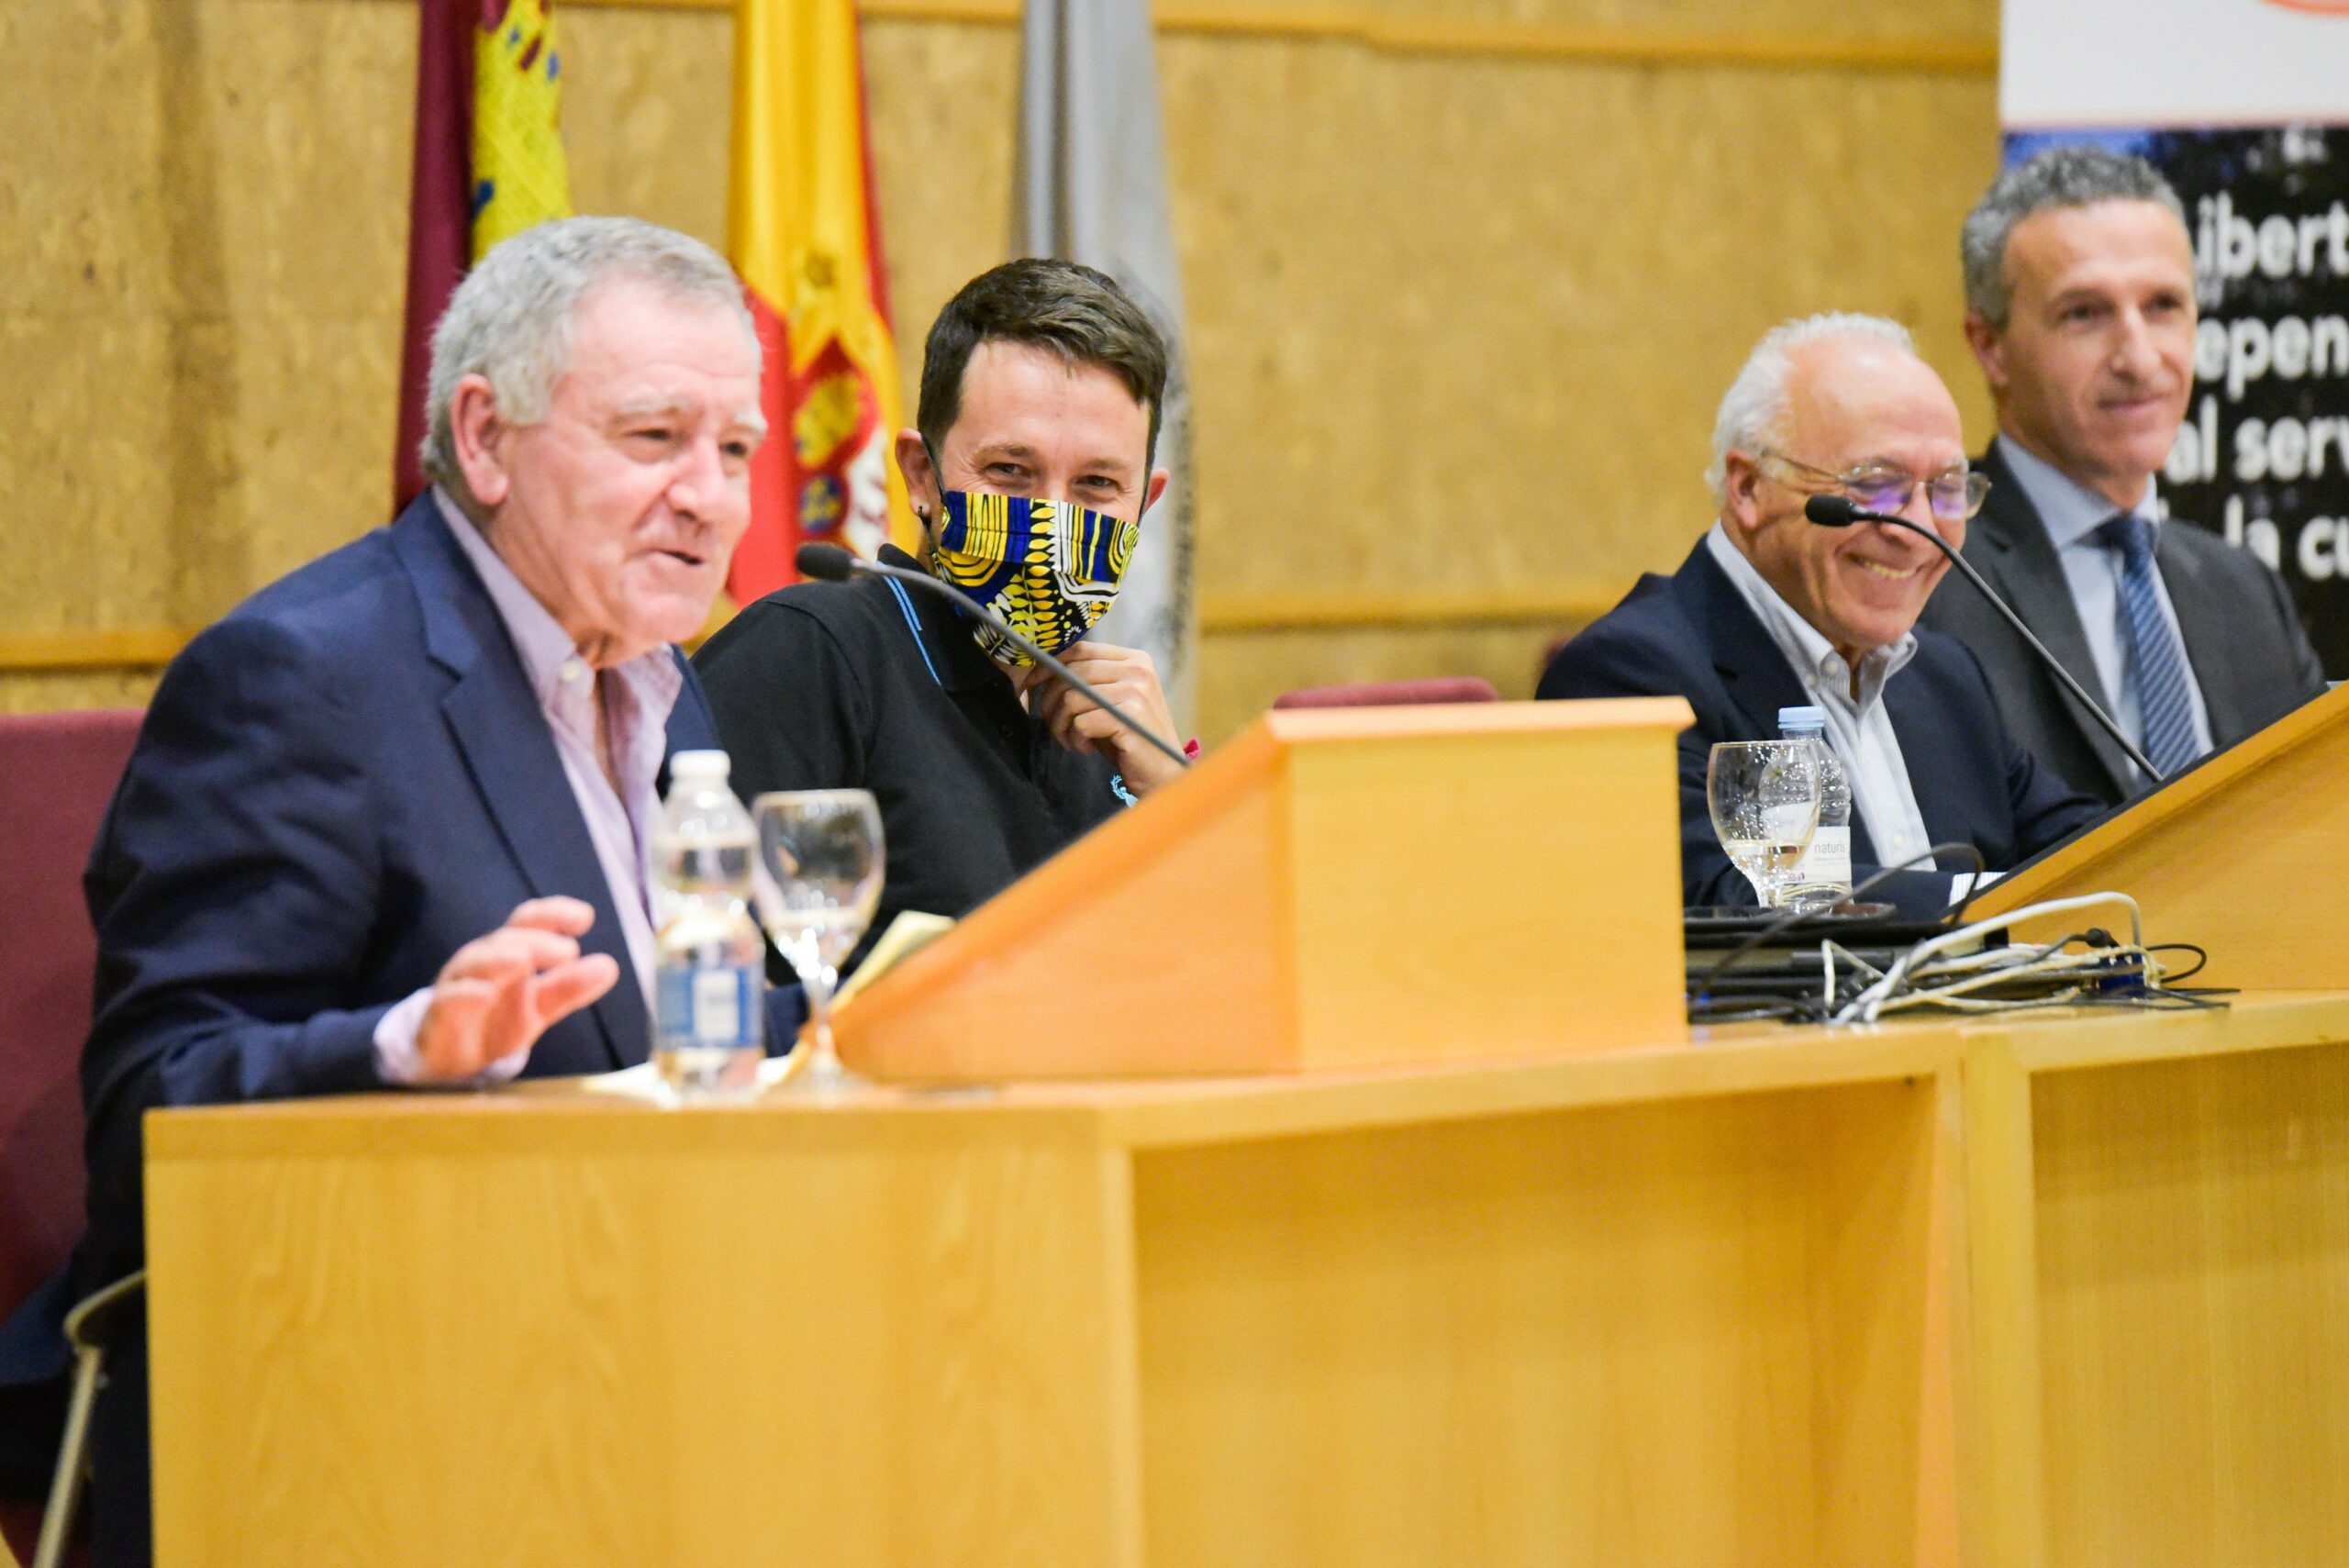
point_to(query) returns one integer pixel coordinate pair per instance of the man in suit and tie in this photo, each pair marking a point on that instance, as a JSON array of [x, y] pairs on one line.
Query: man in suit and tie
[[386, 822], [1771, 610], [2079, 289]]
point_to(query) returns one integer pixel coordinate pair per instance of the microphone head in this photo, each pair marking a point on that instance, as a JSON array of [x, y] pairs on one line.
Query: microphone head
[[825, 563], [1831, 511]]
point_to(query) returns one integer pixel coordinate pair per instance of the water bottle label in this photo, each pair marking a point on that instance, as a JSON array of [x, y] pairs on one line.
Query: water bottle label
[[708, 1007], [1829, 859]]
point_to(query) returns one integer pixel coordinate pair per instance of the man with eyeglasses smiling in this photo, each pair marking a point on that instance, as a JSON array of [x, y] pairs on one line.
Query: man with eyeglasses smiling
[[1772, 611]]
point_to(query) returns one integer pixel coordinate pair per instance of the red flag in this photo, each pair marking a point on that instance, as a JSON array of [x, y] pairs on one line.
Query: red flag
[[439, 236], [489, 163], [803, 233]]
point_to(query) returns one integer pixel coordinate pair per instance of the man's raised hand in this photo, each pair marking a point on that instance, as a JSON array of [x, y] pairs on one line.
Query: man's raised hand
[[1127, 677], [499, 992]]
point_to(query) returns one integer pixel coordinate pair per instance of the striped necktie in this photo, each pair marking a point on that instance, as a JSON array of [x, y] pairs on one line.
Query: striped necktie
[[2156, 659]]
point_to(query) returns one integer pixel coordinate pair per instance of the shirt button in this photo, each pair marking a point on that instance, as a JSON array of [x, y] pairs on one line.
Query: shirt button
[[573, 670]]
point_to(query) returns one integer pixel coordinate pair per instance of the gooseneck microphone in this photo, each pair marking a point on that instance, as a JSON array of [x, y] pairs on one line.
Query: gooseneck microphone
[[1842, 512], [830, 564]]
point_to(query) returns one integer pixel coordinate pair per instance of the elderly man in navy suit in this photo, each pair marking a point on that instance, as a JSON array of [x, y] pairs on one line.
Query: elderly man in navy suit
[[387, 823], [1771, 611]]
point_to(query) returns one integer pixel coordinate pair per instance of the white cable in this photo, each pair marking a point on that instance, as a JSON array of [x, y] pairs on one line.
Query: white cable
[[2073, 972], [1869, 1004], [2087, 969], [2002, 960]]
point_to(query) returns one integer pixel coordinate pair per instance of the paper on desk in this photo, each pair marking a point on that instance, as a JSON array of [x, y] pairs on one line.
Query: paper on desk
[[637, 1082], [1965, 884], [641, 1083], [908, 934]]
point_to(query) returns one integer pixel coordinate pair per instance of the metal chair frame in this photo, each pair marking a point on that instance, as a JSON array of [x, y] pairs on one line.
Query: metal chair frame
[[84, 1328]]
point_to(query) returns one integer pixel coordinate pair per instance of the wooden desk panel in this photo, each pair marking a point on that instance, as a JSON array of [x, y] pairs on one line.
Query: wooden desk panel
[[2158, 1340], [1653, 1307], [2070, 1291], [769, 1349], [1680, 1333], [2194, 1310]]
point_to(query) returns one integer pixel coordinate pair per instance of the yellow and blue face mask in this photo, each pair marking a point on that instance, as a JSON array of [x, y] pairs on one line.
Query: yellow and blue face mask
[[1050, 568]]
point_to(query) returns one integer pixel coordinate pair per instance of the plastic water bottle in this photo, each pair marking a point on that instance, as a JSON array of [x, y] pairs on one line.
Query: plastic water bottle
[[1822, 878], [708, 986]]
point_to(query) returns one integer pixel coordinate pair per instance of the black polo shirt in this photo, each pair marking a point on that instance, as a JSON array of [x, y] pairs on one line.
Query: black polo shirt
[[874, 685]]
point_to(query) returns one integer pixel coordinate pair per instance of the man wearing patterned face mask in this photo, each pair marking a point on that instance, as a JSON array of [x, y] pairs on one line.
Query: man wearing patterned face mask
[[1032, 471]]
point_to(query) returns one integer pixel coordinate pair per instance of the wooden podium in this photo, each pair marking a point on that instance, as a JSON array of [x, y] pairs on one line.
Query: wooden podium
[[2246, 855], [1335, 887]]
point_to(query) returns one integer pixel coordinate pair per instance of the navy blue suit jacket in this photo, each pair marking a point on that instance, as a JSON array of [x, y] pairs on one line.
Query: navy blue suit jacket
[[1692, 635], [336, 787]]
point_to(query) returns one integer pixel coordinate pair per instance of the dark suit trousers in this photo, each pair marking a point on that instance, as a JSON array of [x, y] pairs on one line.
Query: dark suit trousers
[[122, 1501]]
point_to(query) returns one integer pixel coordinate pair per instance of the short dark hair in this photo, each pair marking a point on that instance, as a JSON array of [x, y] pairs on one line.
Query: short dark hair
[[1075, 312], [2079, 175]]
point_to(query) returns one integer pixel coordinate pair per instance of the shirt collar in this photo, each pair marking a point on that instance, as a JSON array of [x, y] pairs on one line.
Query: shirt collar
[[549, 659], [2069, 510], [1805, 647], [945, 632]]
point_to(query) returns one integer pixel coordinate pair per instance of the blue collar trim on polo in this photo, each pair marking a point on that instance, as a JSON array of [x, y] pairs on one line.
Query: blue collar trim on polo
[[913, 624]]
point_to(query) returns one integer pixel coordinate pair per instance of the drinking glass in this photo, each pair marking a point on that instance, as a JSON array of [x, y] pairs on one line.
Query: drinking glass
[[821, 855], [1764, 800]]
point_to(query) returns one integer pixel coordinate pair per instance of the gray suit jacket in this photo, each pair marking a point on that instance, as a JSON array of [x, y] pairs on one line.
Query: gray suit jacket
[[2241, 634]]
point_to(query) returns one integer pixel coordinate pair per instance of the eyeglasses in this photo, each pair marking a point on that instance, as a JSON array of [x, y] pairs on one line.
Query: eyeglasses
[[1955, 495]]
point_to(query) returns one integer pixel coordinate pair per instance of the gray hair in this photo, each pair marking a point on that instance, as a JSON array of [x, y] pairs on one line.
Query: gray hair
[[2061, 176], [510, 318], [1753, 411]]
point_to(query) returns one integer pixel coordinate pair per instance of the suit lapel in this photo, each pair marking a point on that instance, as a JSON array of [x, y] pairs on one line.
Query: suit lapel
[[1754, 675], [511, 752], [2020, 563]]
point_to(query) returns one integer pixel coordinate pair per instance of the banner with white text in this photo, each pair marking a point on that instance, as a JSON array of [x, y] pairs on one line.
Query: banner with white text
[[2244, 105]]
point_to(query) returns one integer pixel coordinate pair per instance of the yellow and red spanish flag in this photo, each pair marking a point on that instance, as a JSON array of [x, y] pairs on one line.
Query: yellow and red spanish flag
[[489, 164], [804, 232]]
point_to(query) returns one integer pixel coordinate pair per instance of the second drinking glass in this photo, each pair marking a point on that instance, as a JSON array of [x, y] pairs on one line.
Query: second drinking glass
[[822, 855]]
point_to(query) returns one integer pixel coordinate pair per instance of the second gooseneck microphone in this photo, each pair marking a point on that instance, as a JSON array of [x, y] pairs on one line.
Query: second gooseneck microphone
[[1842, 512], [830, 564]]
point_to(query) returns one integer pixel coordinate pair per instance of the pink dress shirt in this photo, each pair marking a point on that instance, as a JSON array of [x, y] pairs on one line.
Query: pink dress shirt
[[637, 697]]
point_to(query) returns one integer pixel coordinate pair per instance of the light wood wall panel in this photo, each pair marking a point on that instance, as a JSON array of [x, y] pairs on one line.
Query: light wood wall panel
[[1459, 319], [84, 399], [1501, 367], [46, 691], [204, 268]]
